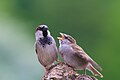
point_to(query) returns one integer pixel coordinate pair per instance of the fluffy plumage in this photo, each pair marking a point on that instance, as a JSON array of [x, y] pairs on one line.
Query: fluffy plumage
[[75, 56], [45, 46]]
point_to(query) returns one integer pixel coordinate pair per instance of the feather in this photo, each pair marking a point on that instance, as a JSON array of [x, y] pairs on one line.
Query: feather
[[94, 71], [79, 51]]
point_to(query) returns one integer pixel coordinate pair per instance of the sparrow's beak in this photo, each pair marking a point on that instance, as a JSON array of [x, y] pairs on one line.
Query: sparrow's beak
[[62, 37]]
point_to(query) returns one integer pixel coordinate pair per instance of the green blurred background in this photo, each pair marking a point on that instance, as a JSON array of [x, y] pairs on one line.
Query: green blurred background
[[95, 24]]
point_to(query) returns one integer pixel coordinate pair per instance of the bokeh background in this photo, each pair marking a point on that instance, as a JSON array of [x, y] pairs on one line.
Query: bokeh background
[[95, 24]]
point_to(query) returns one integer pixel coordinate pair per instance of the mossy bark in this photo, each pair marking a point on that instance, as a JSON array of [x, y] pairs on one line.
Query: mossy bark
[[62, 71]]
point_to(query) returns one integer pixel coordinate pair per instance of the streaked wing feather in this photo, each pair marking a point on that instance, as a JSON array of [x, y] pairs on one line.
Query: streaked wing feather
[[79, 51]]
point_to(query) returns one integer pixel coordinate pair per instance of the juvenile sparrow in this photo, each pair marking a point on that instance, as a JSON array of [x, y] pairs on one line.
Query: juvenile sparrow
[[75, 56], [45, 47]]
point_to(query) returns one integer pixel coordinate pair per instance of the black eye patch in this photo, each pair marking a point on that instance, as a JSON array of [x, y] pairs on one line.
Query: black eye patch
[[43, 28], [71, 39], [38, 28], [66, 37]]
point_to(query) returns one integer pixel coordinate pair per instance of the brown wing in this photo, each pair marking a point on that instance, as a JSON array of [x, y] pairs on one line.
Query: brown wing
[[80, 52]]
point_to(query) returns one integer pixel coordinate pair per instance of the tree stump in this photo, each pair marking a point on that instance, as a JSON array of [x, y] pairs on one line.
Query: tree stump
[[62, 71]]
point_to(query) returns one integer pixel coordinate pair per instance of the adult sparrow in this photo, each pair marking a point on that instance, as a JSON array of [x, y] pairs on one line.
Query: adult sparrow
[[75, 56], [45, 47]]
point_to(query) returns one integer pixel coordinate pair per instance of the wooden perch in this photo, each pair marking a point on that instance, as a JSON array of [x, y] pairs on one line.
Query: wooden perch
[[62, 71]]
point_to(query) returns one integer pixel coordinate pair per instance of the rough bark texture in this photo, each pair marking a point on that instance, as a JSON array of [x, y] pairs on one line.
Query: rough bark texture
[[62, 71]]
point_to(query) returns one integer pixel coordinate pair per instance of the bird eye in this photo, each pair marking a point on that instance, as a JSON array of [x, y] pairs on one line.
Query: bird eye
[[66, 37], [38, 28]]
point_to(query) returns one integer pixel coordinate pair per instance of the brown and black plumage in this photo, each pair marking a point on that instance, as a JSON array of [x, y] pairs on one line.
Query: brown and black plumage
[[75, 56], [45, 47]]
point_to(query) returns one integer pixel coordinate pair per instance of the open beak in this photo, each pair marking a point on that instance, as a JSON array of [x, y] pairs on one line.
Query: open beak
[[62, 37]]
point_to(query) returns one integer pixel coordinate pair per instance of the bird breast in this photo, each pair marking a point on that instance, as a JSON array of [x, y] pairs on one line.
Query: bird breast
[[65, 49], [47, 54], [71, 58]]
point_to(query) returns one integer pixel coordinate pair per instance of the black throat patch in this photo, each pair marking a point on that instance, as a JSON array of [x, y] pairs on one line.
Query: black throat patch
[[45, 40], [45, 33]]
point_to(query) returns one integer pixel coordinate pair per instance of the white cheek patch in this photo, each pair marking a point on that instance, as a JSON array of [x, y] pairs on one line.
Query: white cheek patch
[[48, 32], [38, 34]]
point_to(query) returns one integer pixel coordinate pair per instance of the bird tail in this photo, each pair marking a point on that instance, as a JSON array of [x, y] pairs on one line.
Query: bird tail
[[95, 64], [94, 71]]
